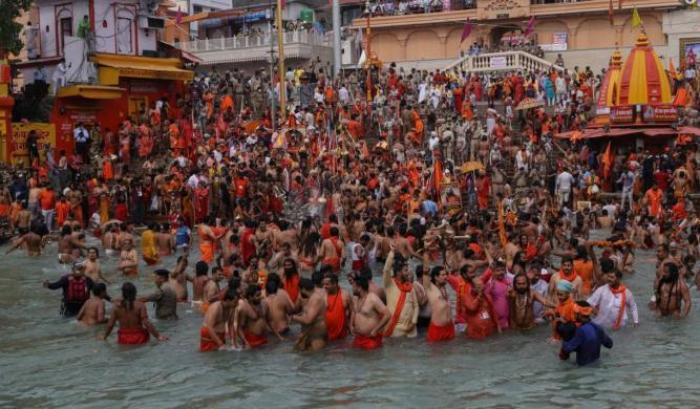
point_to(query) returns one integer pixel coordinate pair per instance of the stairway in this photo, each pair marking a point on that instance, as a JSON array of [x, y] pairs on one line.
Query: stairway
[[500, 62]]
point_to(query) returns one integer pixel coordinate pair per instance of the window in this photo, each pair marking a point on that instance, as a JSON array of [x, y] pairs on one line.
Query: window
[[66, 30], [124, 34]]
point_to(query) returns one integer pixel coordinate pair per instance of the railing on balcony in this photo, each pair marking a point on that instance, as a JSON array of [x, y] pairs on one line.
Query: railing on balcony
[[503, 61], [309, 37]]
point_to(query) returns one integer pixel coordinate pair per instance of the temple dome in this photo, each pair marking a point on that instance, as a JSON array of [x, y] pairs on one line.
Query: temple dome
[[643, 80]]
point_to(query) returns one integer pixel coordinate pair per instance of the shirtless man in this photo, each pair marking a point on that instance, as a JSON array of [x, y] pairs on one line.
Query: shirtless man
[[250, 319], [314, 334], [67, 244], [441, 325], [134, 326], [93, 311], [179, 278], [521, 299], [110, 240], [93, 269], [219, 316], [165, 242], [24, 218], [369, 316], [333, 250], [279, 305], [211, 290], [128, 259], [672, 294], [31, 242], [402, 245]]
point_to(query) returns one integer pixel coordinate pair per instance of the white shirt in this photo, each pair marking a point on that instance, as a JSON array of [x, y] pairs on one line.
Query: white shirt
[[541, 287], [564, 181], [193, 181], [609, 307], [80, 134], [343, 95]]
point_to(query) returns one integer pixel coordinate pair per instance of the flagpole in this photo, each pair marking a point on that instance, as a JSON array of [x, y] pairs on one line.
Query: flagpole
[[280, 69]]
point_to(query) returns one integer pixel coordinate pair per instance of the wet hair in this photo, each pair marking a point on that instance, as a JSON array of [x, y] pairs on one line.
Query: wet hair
[[97, 251], [332, 277], [230, 294], [306, 284], [201, 268], [334, 231], [161, 272], [607, 266], [235, 283], [66, 230], [362, 281], [251, 291], [434, 272], [273, 283], [317, 278], [129, 295], [99, 289]]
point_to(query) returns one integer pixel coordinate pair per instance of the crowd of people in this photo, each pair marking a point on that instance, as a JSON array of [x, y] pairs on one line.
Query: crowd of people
[[444, 208]]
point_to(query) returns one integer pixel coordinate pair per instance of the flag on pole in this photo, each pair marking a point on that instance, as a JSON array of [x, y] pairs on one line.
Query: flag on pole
[[530, 27], [607, 161], [610, 12], [178, 16], [672, 69], [466, 30], [636, 20]]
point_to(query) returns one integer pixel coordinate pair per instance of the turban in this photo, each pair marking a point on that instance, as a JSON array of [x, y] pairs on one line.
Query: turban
[[565, 286]]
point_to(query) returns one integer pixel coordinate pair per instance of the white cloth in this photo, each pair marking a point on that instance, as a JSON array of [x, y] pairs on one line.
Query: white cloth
[[609, 304], [564, 181]]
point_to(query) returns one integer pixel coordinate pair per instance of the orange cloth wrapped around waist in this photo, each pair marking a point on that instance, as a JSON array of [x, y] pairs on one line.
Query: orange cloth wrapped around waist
[[253, 340], [207, 249], [333, 262], [206, 341], [442, 333], [132, 336], [365, 342]]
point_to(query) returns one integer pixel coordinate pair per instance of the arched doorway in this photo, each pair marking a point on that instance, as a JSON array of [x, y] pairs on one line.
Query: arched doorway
[[504, 31]]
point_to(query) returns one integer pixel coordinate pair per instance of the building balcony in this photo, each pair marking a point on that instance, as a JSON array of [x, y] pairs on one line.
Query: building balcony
[[300, 44], [497, 10]]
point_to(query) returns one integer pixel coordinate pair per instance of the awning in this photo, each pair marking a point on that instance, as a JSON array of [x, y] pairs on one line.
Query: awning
[[112, 67], [594, 133], [90, 92]]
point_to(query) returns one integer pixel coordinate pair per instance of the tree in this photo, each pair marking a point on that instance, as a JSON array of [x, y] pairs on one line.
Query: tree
[[10, 29]]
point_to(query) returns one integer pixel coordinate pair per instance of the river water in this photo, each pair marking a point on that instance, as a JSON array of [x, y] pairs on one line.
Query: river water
[[50, 362]]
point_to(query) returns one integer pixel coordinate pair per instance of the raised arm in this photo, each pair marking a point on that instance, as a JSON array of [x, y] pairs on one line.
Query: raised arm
[[388, 267]]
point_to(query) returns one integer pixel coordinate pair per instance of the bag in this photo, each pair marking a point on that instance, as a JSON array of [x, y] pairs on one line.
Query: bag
[[77, 290]]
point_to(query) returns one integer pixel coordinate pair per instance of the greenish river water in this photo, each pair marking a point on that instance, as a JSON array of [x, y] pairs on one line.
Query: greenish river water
[[50, 362]]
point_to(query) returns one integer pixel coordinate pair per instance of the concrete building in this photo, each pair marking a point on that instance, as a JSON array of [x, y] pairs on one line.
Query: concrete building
[[582, 31]]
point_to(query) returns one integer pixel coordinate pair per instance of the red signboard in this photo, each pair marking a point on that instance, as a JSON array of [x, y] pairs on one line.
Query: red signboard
[[660, 113], [622, 114]]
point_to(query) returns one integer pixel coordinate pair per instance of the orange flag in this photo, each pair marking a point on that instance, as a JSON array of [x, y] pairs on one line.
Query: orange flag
[[437, 177], [607, 161]]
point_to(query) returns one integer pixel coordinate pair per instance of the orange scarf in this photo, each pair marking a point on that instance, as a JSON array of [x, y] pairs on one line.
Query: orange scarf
[[621, 289], [570, 278], [404, 288]]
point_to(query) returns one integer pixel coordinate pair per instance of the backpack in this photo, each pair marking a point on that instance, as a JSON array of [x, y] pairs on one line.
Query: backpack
[[77, 290]]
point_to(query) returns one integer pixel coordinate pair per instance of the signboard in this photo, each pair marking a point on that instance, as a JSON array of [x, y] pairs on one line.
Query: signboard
[[660, 113], [622, 114], [498, 62], [559, 42], [46, 133]]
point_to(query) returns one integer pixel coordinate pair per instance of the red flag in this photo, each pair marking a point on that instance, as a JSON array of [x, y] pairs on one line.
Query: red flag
[[530, 27], [178, 16], [610, 12], [466, 30]]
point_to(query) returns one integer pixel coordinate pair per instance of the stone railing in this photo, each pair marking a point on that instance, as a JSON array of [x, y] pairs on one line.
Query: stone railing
[[249, 41], [502, 61]]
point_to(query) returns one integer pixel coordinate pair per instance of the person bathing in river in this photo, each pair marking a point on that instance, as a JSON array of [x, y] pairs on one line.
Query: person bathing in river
[[134, 326], [93, 311]]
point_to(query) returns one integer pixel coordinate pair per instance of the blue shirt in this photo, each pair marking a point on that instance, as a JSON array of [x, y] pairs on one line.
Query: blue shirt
[[587, 341], [430, 207], [182, 235]]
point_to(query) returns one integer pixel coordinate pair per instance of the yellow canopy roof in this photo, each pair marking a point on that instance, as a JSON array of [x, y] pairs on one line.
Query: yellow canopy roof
[[90, 92], [112, 66]]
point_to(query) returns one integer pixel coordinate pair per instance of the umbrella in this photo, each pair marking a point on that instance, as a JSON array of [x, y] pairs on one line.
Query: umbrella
[[529, 103], [471, 166]]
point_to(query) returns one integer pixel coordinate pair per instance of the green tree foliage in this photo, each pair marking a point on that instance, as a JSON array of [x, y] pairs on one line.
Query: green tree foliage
[[10, 29]]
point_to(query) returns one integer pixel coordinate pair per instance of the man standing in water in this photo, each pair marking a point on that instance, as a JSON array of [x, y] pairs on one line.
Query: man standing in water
[[219, 315], [31, 241], [441, 326], [164, 297], [672, 295], [134, 326], [521, 302], [250, 318], [314, 334], [76, 289], [93, 268], [93, 311], [401, 298], [128, 259], [612, 301], [369, 316], [337, 308], [588, 338]]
